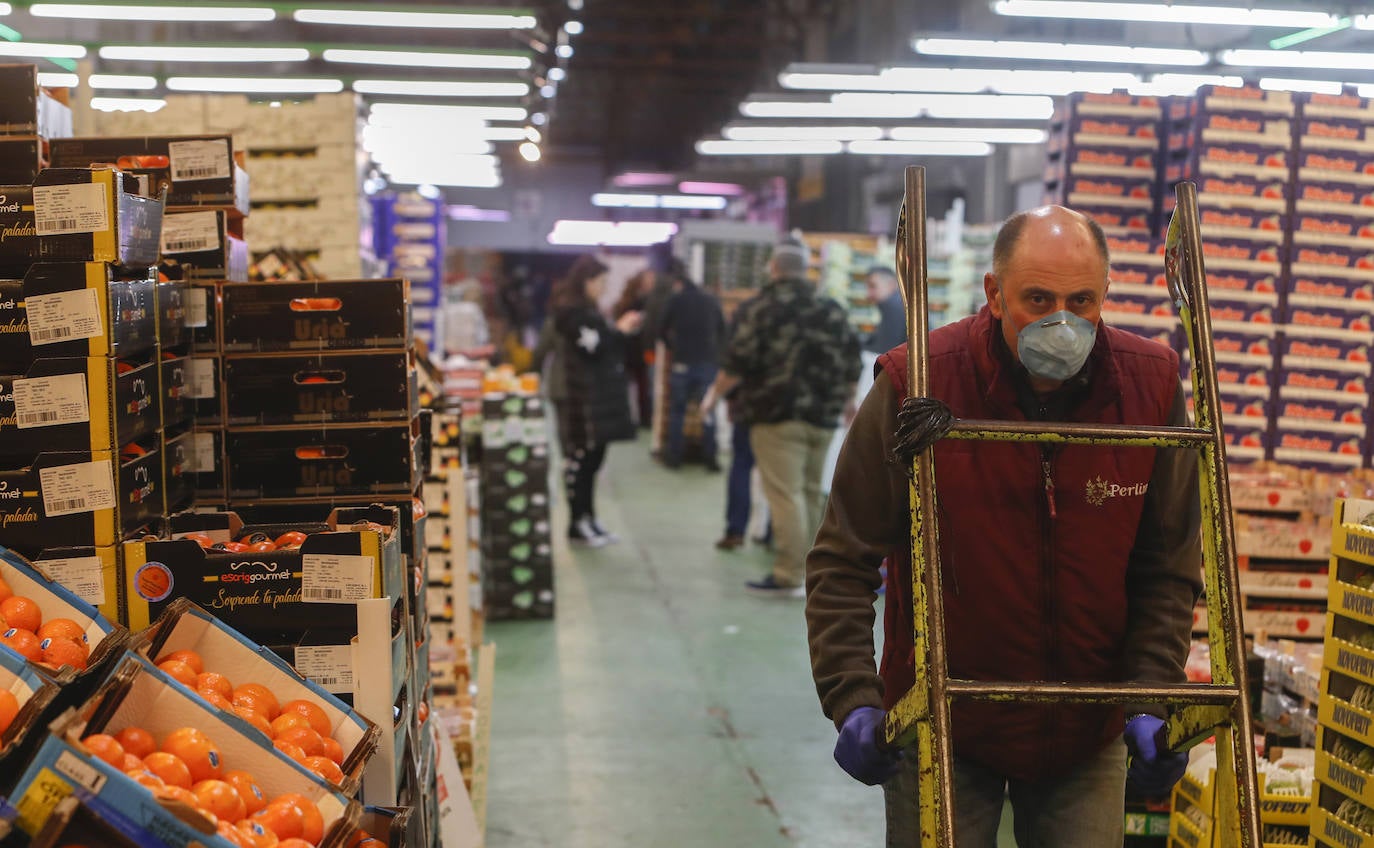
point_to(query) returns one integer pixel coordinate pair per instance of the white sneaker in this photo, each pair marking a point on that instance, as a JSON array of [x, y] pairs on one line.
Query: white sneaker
[[610, 537], [584, 533]]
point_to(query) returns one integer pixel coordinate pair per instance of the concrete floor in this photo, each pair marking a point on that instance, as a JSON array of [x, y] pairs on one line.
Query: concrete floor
[[665, 707]]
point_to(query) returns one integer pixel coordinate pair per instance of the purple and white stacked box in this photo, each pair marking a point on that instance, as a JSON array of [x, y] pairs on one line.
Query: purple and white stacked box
[[1103, 159]]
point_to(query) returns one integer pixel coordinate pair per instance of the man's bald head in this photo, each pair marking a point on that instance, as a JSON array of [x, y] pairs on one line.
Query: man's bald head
[[1046, 221]]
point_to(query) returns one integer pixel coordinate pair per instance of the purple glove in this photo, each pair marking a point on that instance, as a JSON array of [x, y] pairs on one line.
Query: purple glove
[[1152, 772], [857, 749]]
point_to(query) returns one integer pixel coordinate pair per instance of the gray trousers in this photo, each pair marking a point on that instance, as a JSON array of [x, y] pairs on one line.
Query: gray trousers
[[1083, 809]]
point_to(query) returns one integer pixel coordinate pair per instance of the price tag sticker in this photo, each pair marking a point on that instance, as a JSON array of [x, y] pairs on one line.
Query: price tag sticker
[[79, 770], [206, 159], [197, 307], [62, 209], [200, 380], [82, 576], [50, 401], [336, 578], [330, 666], [190, 232], [64, 316], [83, 487], [202, 459]]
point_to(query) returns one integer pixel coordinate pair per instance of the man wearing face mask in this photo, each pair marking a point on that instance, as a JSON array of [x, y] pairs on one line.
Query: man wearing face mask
[[1069, 563]]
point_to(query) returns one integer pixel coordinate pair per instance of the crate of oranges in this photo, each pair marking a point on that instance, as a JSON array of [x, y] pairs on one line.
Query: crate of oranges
[[178, 767], [25, 696], [236, 675], [53, 628]]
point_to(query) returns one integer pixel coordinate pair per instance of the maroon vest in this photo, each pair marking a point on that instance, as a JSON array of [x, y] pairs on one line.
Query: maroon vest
[[1030, 592]]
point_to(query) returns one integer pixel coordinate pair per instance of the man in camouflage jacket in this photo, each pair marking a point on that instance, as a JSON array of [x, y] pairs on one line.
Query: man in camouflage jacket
[[792, 360]]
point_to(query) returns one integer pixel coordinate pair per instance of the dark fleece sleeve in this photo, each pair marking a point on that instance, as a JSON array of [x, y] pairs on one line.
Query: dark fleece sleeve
[[1164, 576], [865, 518]]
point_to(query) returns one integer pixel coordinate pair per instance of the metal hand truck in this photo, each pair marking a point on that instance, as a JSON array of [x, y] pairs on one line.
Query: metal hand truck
[[1197, 710]]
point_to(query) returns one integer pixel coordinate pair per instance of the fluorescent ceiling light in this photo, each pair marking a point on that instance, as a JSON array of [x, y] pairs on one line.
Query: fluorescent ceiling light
[[1298, 59], [995, 135], [611, 233], [994, 106], [127, 81], [54, 79], [1314, 86], [387, 143], [5, 8], [625, 201], [427, 59], [1058, 52], [1168, 85], [426, 20], [109, 12], [457, 180], [699, 201], [41, 50], [441, 88], [255, 85], [959, 80], [389, 114], [714, 147], [758, 132], [1164, 14], [127, 104], [920, 148], [642, 178], [573, 27], [149, 53], [467, 212], [727, 189], [1365, 90], [1364, 22]]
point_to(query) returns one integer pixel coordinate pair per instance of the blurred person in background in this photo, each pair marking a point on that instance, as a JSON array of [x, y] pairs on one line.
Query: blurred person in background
[[691, 329], [589, 389], [891, 329], [639, 347]]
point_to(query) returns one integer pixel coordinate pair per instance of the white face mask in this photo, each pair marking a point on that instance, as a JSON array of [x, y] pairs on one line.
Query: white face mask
[[1056, 346]]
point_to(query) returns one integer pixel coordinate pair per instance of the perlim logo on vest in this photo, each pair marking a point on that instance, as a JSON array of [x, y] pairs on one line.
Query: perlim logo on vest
[[1100, 490]]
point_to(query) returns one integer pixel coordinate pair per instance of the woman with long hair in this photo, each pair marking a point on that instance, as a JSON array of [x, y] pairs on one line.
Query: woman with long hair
[[595, 409]]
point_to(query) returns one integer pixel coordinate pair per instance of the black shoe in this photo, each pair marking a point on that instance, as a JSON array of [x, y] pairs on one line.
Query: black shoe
[[583, 533], [770, 588], [729, 542], [711, 465], [609, 537], [673, 464]]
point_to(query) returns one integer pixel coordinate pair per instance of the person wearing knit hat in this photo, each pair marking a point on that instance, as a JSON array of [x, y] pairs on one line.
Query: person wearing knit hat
[[792, 360]]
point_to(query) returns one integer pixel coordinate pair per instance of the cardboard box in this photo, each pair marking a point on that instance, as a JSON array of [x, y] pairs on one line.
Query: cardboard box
[[1251, 340], [282, 591], [18, 99], [21, 158], [1102, 190], [138, 485], [1218, 184], [1331, 290], [177, 448], [1220, 218], [89, 573], [1227, 126], [1336, 166], [1323, 317], [173, 330], [320, 387], [137, 694], [1324, 407], [203, 389], [1262, 160], [1312, 347], [1244, 374], [1357, 255], [1231, 99], [203, 245], [76, 403], [1335, 196], [1320, 447], [202, 316], [94, 215], [1144, 107], [183, 626], [394, 827], [35, 693], [1262, 282], [1335, 133], [93, 823], [76, 309], [207, 471], [326, 315], [321, 461], [174, 374], [59, 500], [194, 170], [1132, 131]]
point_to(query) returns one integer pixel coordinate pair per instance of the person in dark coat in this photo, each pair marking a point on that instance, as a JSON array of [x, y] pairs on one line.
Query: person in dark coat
[[595, 409], [692, 329]]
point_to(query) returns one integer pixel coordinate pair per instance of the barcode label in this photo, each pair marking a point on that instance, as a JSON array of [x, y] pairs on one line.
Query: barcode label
[[46, 401], [64, 316], [336, 578], [202, 459], [197, 307], [79, 770], [62, 209], [84, 487], [190, 232], [200, 379], [199, 160], [329, 666]]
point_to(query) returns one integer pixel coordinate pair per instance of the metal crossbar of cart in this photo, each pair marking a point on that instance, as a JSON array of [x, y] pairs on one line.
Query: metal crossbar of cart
[[1196, 710]]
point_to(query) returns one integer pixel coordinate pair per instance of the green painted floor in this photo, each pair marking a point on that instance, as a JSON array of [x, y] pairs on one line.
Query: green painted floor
[[664, 706]]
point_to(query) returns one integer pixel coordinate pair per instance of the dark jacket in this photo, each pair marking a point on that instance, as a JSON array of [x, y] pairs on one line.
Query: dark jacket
[[891, 329], [693, 326], [595, 406], [1090, 578]]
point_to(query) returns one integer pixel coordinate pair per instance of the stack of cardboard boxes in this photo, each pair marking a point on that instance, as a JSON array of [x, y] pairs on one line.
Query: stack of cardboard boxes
[[409, 232]]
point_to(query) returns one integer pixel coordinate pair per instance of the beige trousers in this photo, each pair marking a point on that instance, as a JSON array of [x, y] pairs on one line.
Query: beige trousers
[[791, 458]]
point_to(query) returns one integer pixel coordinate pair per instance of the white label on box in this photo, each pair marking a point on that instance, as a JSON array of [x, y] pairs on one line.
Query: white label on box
[[330, 666], [336, 578], [201, 459], [49, 401], [74, 767], [82, 576], [190, 232], [62, 209], [197, 307], [200, 380], [64, 316], [200, 160], [84, 487]]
